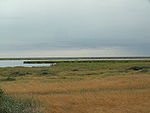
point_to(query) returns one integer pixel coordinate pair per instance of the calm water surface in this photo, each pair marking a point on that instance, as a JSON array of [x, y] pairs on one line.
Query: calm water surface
[[15, 63]]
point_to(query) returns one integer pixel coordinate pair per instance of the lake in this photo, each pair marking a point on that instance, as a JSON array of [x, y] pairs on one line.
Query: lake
[[15, 63]]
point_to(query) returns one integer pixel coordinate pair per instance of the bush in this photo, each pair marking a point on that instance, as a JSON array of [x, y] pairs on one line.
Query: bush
[[1, 93], [136, 68], [140, 68], [8, 79], [11, 104], [46, 72], [17, 73]]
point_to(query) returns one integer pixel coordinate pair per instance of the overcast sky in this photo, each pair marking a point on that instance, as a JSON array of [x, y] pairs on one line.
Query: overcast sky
[[74, 28]]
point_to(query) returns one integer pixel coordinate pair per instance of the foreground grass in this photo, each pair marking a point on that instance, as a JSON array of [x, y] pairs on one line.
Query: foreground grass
[[83, 87], [12, 104]]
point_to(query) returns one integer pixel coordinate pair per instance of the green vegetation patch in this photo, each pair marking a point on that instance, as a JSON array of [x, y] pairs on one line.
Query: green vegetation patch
[[8, 79], [22, 71], [43, 72], [11, 104]]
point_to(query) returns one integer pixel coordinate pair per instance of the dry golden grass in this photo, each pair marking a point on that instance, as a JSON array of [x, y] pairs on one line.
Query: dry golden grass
[[114, 94], [123, 93], [100, 102]]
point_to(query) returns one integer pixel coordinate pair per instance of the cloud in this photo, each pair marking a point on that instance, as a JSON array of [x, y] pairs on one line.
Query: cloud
[[45, 25], [100, 52]]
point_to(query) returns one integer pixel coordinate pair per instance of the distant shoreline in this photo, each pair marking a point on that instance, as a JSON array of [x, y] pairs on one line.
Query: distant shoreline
[[86, 61], [50, 58]]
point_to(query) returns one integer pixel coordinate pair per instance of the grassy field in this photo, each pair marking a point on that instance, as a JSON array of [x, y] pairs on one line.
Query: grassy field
[[96, 87]]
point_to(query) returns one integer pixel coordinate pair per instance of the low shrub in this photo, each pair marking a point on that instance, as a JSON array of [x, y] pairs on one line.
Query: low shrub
[[11, 104], [140, 68], [1, 93], [136, 68], [75, 69], [46, 72], [18, 73], [8, 79]]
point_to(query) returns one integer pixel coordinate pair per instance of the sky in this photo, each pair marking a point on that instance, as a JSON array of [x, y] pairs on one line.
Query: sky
[[45, 28]]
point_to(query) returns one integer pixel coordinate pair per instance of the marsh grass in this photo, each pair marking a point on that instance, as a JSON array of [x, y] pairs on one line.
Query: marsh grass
[[85, 87], [22, 71], [12, 104], [77, 69]]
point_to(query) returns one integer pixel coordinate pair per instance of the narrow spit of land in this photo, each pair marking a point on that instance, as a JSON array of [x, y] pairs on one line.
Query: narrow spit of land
[[85, 61]]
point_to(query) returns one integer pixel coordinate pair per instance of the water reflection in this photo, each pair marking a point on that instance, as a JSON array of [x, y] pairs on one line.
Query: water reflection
[[15, 63]]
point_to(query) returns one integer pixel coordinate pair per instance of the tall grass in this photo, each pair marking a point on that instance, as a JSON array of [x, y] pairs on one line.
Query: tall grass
[[82, 87], [11, 104]]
